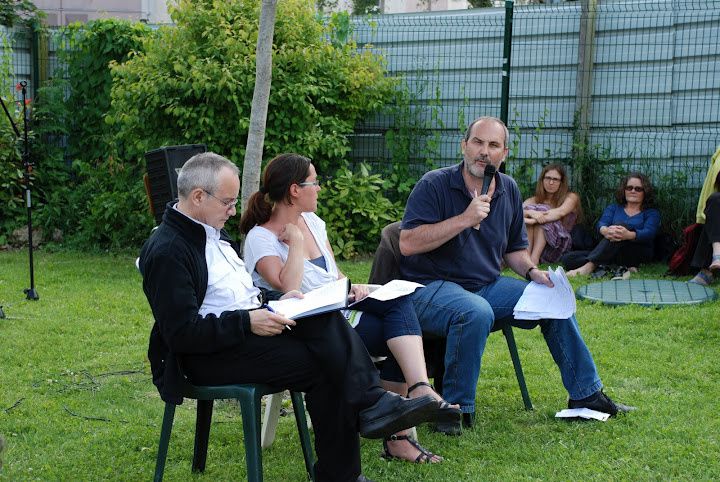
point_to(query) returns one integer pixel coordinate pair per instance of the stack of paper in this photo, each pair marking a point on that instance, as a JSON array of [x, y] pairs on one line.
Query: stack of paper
[[585, 413], [541, 302]]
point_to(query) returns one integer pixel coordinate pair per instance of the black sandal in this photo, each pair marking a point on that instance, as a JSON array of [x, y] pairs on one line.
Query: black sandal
[[444, 412], [425, 456]]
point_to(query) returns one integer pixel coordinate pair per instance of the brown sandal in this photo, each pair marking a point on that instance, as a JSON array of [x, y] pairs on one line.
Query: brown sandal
[[425, 456]]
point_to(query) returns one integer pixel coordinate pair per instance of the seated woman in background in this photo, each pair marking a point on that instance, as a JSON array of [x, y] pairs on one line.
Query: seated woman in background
[[707, 253], [550, 215], [287, 248], [628, 229]]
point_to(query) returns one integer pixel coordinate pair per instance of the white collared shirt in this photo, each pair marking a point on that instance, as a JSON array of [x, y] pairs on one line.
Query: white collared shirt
[[230, 287]]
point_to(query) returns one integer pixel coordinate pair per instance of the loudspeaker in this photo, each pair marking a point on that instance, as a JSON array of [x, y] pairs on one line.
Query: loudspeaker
[[163, 166]]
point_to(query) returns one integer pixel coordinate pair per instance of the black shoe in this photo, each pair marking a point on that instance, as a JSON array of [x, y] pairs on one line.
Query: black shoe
[[600, 403], [453, 429], [392, 413]]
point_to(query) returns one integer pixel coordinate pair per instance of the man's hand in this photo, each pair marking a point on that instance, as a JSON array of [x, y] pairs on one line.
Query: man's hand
[[542, 277], [478, 209], [266, 323], [358, 292]]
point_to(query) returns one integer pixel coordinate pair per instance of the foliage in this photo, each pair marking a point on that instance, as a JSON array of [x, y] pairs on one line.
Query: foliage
[[19, 12], [93, 46], [412, 150], [365, 7], [11, 147], [480, 3], [75, 382], [355, 210], [97, 198], [522, 169], [194, 84]]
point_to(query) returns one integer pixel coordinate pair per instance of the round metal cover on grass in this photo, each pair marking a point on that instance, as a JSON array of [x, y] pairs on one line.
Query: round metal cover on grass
[[646, 292]]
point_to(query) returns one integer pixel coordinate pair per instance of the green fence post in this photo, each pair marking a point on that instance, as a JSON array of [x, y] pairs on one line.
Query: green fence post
[[507, 48]]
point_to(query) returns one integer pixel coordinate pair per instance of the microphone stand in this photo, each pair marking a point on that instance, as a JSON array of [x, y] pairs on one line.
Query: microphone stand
[[31, 293]]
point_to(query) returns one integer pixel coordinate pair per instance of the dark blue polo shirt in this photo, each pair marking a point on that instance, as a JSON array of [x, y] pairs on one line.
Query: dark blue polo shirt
[[472, 258]]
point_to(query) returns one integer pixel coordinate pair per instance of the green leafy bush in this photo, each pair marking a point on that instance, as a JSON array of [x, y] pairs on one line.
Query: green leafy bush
[[96, 199], [355, 210], [11, 166], [194, 84]]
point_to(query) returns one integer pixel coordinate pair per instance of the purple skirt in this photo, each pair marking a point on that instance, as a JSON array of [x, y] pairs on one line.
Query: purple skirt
[[557, 234]]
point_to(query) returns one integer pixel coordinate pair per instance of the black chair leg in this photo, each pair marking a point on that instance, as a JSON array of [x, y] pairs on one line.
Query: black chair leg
[[165, 432], [512, 347], [202, 434]]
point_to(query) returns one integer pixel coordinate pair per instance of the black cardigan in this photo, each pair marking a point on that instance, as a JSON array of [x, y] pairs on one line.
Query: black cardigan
[[175, 278]]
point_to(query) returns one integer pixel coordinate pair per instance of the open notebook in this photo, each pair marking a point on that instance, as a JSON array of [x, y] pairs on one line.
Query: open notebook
[[334, 296]]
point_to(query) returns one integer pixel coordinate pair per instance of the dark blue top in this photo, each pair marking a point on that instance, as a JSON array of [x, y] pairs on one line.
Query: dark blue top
[[645, 224], [472, 258], [320, 262]]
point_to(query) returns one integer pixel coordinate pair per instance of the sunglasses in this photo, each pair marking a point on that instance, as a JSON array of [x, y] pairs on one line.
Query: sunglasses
[[635, 188]]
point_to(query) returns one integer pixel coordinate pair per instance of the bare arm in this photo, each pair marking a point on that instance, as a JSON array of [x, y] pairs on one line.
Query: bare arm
[[541, 217], [285, 276], [428, 237]]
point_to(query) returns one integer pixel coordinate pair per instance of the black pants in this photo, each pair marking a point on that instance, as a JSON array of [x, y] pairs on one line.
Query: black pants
[[623, 253], [323, 357], [710, 233]]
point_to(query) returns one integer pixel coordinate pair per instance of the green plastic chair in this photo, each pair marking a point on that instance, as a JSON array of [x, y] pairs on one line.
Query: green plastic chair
[[250, 398]]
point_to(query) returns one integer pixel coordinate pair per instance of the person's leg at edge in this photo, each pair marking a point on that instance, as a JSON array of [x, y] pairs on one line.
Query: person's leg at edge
[[447, 310]]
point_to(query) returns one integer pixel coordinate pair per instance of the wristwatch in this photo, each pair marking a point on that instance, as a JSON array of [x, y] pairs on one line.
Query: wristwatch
[[527, 273]]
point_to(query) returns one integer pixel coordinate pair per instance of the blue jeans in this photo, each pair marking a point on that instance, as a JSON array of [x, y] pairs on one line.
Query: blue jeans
[[447, 310]]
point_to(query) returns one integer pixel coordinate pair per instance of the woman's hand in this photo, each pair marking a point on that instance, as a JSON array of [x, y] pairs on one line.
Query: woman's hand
[[290, 234], [266, 323], [292, 294], [358, 292], [532, 216], [617, 233]]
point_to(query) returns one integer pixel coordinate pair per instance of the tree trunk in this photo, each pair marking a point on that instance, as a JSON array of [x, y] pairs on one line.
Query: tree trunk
[[261, 97]]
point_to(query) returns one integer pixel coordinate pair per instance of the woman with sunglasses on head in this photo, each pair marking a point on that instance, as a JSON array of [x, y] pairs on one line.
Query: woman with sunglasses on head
[[287, 248], [628, 229], [550, 215]]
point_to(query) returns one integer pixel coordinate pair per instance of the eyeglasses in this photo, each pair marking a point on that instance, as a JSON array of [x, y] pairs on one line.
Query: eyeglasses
[[635, 188], [309, 183], [228, 204], [552, 179]]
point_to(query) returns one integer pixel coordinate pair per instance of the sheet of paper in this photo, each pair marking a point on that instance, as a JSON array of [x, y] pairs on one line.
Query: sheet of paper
[[329, 297], [585, 413], [393, 289], [541, 302]]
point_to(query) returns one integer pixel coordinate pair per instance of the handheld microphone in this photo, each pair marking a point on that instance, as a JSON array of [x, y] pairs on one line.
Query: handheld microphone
[[488, 176]]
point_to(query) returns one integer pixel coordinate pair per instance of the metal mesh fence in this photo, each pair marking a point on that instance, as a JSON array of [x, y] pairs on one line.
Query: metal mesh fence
[[603, 89]]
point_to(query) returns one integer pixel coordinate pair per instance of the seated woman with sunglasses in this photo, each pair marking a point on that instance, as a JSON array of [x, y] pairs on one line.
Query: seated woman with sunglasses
[[287, 248], [628, 229], [550, 215]]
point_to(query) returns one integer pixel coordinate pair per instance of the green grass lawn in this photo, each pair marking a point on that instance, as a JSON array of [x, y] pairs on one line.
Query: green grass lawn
[[77, 402]]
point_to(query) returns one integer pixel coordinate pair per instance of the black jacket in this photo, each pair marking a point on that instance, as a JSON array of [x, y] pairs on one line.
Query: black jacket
[[175, 278]]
